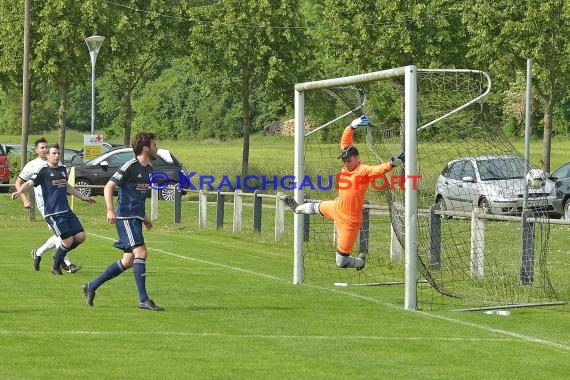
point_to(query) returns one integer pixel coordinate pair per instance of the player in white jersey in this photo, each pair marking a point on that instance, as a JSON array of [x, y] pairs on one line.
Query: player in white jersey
[[28, 172]]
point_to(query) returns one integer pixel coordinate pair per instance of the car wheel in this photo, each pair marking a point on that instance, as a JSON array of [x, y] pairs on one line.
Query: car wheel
[[442, 207], [484, 206], [169, 192], [567, 210], [87, 191]]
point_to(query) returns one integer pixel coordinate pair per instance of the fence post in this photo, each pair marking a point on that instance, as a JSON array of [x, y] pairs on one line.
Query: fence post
[[177, 205], [435, 237], [396, 248], [306, 227], [238, 205], [257, 207], [202, 209], [220, 202], [279, 218], [364, 229], [527, 248], [477, 244], [153, 204]]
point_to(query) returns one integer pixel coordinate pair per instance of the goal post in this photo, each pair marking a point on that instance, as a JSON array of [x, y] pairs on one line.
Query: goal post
[[410, 80], [458, 161]]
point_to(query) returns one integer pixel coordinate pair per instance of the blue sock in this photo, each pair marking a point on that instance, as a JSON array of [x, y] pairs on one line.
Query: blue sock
[[139, 270], [59, 256], [111, 272]]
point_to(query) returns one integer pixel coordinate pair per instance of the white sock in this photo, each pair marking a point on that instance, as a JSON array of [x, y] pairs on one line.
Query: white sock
[[49, 244], [308, 208], [57, 242]]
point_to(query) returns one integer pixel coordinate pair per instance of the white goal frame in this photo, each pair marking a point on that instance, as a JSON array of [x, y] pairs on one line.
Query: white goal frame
[[410, 125]]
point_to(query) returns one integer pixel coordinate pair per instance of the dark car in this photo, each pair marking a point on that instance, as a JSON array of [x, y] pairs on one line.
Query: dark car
[[562, 189], [100, 169], [4, 169]]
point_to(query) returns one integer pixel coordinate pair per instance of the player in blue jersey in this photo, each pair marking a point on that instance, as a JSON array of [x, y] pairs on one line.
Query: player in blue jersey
[[52, 180], [28, 172], [132, 180]]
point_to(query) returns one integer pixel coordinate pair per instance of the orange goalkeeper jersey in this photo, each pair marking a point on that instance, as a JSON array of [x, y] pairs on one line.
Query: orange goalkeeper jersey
[[353, 185]]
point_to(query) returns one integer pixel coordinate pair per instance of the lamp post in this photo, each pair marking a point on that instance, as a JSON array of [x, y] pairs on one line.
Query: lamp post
[[93, 43]]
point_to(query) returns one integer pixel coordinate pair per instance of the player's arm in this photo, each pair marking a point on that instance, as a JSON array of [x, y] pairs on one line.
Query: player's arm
[[147, 222], [381, 169], [19, 183], [76, 193], [108, 194], [347, 138], [23, 188]]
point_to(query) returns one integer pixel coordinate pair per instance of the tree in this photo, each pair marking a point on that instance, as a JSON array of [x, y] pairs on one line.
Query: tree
[[58, 33], [504, 35], [381, 34], [249, 46], [142, 37]]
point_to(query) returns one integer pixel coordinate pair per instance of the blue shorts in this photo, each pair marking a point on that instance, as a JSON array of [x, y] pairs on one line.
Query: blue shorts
[[65, 224], [130, 234]]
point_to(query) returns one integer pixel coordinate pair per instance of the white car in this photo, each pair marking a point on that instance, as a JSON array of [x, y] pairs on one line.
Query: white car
[[496, 184]]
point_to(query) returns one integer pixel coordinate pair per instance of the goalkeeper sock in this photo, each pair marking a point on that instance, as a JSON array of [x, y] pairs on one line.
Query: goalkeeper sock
[[308, 208]]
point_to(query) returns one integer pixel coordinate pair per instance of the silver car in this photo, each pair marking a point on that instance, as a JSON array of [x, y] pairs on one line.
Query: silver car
[[495, 184]]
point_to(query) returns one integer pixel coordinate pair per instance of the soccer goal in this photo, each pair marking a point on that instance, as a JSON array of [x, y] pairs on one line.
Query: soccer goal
[[483, 253]]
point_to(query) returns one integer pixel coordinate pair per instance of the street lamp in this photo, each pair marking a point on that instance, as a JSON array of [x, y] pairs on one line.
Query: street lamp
[[93, 43]]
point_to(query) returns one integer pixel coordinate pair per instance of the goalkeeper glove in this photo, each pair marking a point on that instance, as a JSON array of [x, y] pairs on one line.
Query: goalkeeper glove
[[397, 160], [361, 121]]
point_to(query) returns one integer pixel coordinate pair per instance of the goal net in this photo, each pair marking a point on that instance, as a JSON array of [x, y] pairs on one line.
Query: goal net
[[458, 235]]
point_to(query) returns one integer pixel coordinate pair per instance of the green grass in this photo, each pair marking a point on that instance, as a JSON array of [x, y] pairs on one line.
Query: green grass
[[268, 154], [233, 313]]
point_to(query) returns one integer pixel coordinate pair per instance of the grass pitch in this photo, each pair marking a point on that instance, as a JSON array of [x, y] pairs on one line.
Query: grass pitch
[[233, 313]]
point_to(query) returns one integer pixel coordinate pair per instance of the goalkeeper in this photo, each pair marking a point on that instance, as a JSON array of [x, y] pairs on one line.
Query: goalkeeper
[[346, 210]]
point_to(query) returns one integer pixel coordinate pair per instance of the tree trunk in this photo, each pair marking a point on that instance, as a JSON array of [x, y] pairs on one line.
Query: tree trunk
[[246, 124], [547, 134], [128, 117], [62, 114]]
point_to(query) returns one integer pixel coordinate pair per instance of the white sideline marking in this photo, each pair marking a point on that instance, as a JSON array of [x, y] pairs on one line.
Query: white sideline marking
[[203, 261], [252, 336], [511, 334]]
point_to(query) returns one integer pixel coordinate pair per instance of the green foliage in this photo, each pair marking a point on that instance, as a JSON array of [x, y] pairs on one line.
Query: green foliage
[[10, 111], [225, 69]]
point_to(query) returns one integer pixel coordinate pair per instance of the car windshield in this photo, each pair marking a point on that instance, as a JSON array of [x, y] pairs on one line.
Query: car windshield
[[501, 168], [120, 158], [561, 172]]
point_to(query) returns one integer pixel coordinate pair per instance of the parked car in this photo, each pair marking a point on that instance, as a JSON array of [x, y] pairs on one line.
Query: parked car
[[495, 184], [561, 202], [100, 169], [4, 169], [70, 156], [78, 159], [17, 149]]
